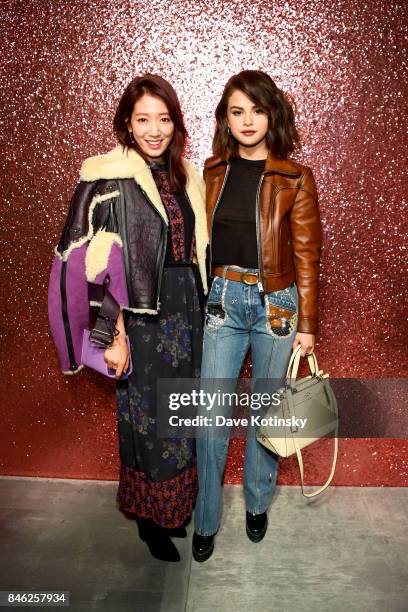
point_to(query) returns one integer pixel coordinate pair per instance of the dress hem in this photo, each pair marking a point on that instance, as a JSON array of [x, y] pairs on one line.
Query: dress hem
[[168, 503]]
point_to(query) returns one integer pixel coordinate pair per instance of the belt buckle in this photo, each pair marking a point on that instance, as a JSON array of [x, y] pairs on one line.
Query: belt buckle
[[247, 282]]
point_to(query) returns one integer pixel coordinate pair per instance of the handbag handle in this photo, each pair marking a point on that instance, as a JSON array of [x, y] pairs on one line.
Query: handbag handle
[[294, 362]]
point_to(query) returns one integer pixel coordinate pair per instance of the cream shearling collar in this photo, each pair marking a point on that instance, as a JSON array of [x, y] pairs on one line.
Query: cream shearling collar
[[122, 163], [117, 163]]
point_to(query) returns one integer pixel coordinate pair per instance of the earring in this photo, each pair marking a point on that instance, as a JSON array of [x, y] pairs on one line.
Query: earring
[[228, 130], [132, 139]]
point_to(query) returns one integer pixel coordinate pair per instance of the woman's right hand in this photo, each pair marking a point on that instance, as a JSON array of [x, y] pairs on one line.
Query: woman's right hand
[[117, 356], [307, 341]]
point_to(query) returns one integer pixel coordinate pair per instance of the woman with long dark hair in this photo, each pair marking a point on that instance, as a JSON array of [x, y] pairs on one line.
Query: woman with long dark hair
[[138, 215], [265, 241]]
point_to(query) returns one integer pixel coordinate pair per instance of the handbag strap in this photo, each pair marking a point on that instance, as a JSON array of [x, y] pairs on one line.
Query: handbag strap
[[289, 396], [333, 467], [105, 326]]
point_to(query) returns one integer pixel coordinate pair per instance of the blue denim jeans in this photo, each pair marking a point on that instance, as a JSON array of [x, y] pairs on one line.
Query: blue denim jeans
[[236, 319]]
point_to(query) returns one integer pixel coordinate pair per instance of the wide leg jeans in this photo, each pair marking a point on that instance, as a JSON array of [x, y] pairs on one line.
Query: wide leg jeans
[[237, 318]]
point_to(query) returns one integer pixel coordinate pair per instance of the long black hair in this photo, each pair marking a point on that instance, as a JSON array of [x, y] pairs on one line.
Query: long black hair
[[154, 85]]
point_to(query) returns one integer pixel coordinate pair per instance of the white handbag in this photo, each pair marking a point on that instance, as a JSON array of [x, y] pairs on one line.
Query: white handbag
[[309, 401]]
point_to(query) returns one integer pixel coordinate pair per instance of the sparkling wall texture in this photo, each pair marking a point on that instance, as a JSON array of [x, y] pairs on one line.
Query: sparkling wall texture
[[64, 65]]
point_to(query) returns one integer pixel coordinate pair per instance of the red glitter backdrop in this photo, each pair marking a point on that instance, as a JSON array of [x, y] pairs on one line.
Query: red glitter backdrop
[[64, 65]]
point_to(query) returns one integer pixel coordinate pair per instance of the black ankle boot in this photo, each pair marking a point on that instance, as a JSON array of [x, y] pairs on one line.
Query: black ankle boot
[[144, 525], [158, 541]]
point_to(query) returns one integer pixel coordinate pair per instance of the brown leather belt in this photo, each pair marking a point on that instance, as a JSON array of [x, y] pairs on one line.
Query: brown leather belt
[[249, 278]]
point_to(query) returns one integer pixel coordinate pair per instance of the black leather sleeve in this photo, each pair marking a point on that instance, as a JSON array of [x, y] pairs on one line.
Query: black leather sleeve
[[77, 221]]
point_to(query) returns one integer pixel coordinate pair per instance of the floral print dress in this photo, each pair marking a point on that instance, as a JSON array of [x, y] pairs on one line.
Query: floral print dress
[[158, 475]]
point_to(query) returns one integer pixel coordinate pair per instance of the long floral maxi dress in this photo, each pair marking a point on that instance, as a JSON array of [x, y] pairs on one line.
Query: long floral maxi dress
[[158, 476]]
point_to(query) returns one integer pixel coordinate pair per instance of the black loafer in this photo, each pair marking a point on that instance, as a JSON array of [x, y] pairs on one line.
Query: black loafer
[[203, 547], [256, 526]]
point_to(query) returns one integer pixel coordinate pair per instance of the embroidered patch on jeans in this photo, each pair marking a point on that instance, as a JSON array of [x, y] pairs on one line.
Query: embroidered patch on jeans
[[215, 316], [215, 310], [280, 321]]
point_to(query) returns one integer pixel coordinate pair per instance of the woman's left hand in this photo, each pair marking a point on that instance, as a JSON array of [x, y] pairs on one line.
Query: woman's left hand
[[307, 341]]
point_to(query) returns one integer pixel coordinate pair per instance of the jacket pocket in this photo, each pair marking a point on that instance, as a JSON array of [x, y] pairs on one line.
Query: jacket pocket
[[285, 250]]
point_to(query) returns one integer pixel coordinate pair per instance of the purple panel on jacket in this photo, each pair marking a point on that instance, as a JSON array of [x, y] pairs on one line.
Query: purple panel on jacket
[[77, 297], [77, 304], [54, 312], [116, 270]]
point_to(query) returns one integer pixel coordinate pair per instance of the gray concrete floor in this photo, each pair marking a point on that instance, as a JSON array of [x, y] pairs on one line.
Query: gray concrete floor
[[346, 550]]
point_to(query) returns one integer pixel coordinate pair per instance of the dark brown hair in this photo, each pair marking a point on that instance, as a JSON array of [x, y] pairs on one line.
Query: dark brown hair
[[282, 137], [155, 86]]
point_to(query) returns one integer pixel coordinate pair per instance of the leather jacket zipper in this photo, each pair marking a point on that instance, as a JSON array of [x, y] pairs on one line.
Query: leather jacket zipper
[[163, 256], [276, 242], [260, 285], [162, 252], [279, 242], [214, 211], [123, 235], [68, 336]]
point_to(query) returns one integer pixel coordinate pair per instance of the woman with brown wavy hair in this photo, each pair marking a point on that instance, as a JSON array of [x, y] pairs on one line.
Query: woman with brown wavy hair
[[138, 215], [265, 241]]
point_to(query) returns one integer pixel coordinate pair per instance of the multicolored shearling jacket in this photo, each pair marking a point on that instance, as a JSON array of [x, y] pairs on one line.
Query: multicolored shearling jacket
[[116, 224]]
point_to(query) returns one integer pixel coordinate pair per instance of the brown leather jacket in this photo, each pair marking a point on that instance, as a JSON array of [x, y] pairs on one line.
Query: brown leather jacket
[[288, 227]]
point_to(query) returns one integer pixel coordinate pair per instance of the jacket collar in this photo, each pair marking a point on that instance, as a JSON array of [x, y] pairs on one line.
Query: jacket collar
[[123, 163], [120, 162], [273, 165]]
